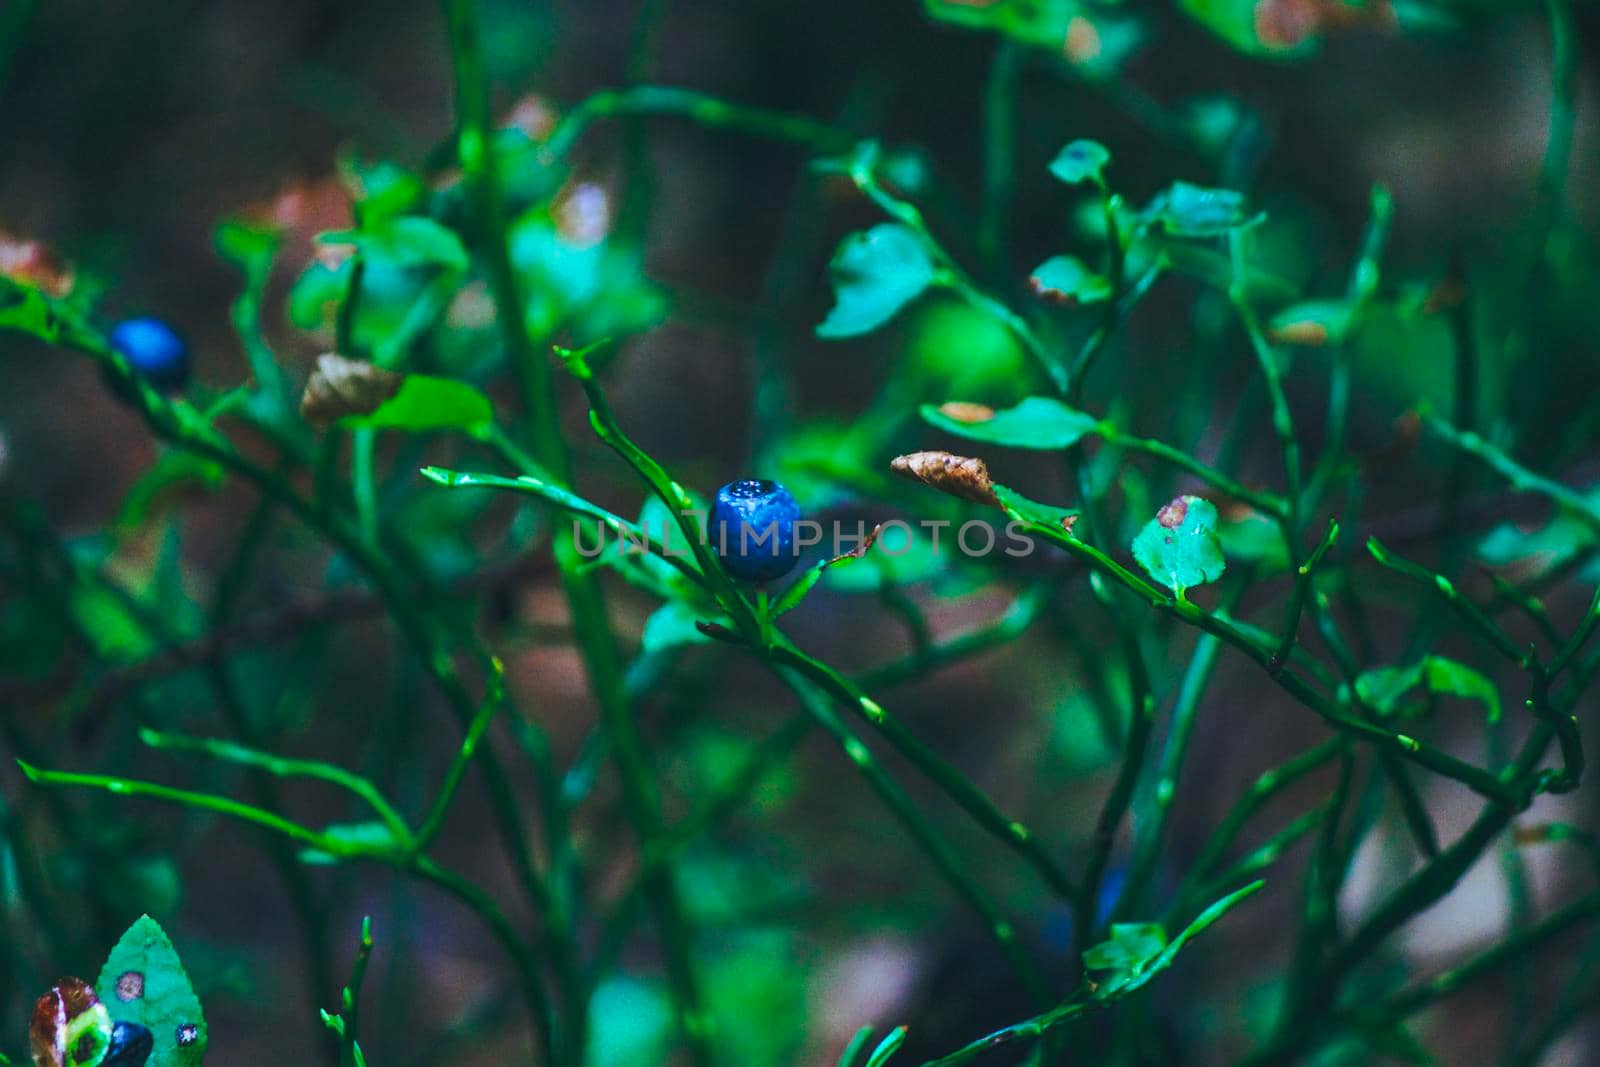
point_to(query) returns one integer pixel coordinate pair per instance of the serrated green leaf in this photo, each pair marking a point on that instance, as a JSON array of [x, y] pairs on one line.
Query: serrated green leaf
[[143, 982], [875, 273], [427, 403], [1037, 422], [1081, 161], [1179, 547], [1066, 280], [1187, 210]]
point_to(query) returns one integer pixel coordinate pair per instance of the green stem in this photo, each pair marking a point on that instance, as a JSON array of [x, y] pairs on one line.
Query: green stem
[[1405, 746], [1297, 598], [596, 643], [700, 108], [999, 154], [935, 844], [1268, 503]]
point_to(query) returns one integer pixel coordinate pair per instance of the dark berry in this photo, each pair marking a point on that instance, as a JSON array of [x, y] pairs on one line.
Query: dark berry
[[752, 529], [154, 350], [131, 1045]]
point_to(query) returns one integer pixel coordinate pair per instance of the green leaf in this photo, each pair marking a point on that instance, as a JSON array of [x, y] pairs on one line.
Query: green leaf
[[1137, 952], [1313, 323], [143, 982], [1032, 511], [1081, 161], [1179, 547], [631, 1023], [1384, 687], [428, 403], [593, 289], [673, 624], [1187, 210], [798, 590], [1447, 677], [407, 241], [875, 273], [1065, 280], [1256, 538], [1037, 422], [1130, 947], [381, 190], [1039, 23]]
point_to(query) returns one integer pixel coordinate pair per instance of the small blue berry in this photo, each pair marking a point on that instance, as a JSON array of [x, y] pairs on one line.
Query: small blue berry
[[752, 529], [131, 1045], [155, 351]]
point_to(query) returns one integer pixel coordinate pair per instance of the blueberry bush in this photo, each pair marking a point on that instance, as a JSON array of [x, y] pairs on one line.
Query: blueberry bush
[[1166, 430]]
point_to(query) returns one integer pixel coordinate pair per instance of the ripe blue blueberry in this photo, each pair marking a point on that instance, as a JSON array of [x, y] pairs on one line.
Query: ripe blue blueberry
[[155, 351], [131, 1045], [752, 529]]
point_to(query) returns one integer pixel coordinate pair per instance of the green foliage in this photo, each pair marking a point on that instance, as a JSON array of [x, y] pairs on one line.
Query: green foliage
[[1385, 687], [1187, 210], [428, 403], [1038, 422], [875, 274], [144, 982], [1081, 161], [1179, 547], [1065, 280]]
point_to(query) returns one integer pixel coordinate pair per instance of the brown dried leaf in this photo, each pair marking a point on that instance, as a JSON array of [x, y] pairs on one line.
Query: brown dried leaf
[[964, 476], [340, 387], [35, 263]]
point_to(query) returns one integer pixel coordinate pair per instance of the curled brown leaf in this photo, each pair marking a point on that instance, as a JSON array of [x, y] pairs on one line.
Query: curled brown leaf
[[340, 387], [964, 476]]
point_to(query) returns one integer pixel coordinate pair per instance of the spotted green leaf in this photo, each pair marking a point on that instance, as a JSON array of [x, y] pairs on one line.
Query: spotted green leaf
[[1037, 422], [1179, 547], [144, 982], [1081, 161], [1065, 280]]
